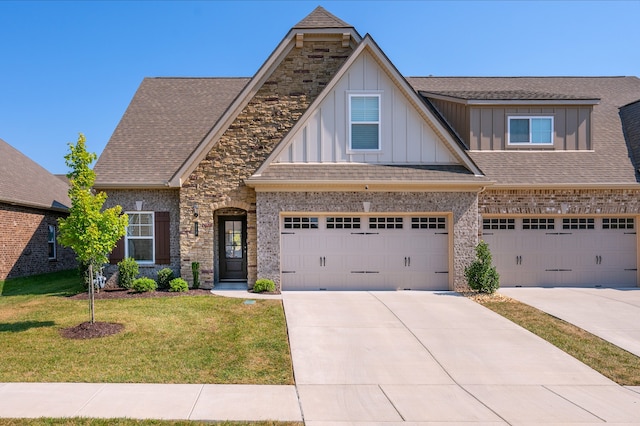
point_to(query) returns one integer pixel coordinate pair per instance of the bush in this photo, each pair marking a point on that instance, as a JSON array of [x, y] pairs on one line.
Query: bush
[[164, 277], [481, 275], [142, 285], [195, 268], [178, 285], [263, 285], [127, 272]]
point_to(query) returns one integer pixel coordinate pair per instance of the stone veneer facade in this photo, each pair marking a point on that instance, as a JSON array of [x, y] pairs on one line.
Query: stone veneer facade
[[463, 205], [217, 182], [153, 200], [550, 201]]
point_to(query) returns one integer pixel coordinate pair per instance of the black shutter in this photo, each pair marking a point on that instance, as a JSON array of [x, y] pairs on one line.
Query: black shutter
[[162, 237]]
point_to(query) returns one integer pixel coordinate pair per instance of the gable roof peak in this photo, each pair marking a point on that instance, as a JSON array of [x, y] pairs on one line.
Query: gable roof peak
[[320, 18]]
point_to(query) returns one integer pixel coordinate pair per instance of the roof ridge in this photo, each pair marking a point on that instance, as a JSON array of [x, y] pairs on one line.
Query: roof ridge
[[320, 18]]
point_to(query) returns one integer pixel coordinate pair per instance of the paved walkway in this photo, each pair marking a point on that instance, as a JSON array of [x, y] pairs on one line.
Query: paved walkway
[[610, 313], [365, 358]]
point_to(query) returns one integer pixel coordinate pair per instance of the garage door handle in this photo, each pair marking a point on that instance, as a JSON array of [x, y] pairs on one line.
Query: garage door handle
[[407, 261], [323, 261]]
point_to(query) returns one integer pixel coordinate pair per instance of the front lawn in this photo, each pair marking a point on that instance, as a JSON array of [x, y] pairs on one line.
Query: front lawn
[[184, 339]]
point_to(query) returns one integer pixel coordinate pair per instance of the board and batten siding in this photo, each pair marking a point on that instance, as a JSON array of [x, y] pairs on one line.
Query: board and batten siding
[[406, 136]]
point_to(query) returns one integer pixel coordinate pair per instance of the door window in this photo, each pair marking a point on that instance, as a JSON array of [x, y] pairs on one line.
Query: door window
[[233, 239]]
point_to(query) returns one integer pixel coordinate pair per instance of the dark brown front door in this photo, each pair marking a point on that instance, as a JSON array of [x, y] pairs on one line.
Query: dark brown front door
[[233, 248]]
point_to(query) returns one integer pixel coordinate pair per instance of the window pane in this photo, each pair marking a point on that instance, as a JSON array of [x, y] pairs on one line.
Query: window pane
[[52, 234], [540, 130], [519, 130], [141, 250], [146, 231], [364, 108], [364, 136]]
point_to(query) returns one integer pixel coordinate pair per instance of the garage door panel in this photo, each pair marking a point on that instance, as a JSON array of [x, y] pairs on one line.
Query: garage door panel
[[379, 253], [572, 252]]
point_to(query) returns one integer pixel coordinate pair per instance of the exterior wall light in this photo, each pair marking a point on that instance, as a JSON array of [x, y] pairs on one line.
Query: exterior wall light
[[195, 211], [366, 205], [139, 205]]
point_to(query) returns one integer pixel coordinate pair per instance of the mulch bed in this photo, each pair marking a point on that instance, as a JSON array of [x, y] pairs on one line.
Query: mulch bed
[[88, 330]]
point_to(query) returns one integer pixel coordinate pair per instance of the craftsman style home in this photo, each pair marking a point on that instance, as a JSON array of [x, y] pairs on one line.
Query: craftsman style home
[[330, 170]]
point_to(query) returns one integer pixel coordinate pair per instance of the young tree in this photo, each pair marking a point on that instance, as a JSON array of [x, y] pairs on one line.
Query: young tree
[[90, 231]]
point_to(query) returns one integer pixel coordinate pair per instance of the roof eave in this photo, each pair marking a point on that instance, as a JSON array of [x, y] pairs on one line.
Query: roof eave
[[587, 101], [364, 185], [599, 185], [62, 208], [134, 185]]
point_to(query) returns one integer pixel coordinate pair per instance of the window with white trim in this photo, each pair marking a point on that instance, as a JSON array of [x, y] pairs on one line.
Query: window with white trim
[[364, 122], [530, 130], [51, 242], [139, 241]]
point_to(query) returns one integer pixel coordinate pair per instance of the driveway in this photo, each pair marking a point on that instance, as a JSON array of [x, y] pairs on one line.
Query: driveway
[[397, 357], [610, 313]]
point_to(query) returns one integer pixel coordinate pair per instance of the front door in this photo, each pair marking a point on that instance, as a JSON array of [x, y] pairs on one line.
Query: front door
[[233, 248]]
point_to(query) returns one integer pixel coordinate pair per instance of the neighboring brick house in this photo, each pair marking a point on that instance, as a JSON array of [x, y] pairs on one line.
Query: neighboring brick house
[[330, 170], [31, 201]]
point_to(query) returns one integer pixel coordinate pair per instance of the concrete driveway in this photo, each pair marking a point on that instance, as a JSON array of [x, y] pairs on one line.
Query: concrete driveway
[[437, 357], [610, 313]]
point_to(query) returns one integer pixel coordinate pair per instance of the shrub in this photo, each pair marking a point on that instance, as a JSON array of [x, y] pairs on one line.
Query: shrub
[[178, 285], [481, 275], [164, 277], [195, 268], [263, 285], [127, 272], [144, 284]]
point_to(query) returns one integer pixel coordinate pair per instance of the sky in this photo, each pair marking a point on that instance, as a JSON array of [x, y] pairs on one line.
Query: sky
[[70, 67]]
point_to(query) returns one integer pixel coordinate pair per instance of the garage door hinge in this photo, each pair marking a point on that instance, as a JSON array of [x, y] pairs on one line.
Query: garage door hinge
[[365, 233], [287, 233], [629, 233], [365, 272], [441, 272], [558, 270], [288, 272], [442, 233], [631, 269]]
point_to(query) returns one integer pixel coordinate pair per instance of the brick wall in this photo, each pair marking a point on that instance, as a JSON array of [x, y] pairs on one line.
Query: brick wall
[[463, 205], [217, 182], [574, 201], [155, 200], [23, 243]]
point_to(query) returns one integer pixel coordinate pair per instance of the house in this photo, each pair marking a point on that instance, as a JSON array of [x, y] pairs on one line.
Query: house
[[31, 201], [330, 170]]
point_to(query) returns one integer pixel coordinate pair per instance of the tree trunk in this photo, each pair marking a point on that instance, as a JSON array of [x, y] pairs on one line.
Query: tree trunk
[[91, 292]]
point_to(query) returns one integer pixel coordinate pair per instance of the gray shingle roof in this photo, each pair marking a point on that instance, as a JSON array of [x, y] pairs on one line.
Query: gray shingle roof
[[610, 161], [630, 116], [276, 172], [320, 18], [165, 121], [24, 182], [506, 95]]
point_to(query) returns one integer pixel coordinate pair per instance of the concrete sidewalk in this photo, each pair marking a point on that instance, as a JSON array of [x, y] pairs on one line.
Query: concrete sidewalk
[[150, 401], [610, 313]]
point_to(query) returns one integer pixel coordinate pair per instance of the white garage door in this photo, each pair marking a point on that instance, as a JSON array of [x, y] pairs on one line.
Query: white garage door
[[563, 251], [356, 252]]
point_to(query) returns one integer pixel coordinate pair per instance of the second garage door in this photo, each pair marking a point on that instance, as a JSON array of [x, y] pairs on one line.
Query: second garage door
[[359, 252], [563, 251]]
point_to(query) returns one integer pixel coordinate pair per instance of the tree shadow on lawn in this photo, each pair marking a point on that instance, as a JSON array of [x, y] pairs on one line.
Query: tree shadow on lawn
[[16, 327]]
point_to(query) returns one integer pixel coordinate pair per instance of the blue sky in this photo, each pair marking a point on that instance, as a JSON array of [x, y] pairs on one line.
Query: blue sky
[[70, 67]]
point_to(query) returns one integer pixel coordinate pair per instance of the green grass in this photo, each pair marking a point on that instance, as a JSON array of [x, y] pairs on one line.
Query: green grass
[[131, 422], [184, 339], [608, 359]]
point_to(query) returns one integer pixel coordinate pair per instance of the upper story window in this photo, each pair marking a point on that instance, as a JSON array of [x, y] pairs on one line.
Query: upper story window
[[139, 241], [51, 242], [364, 122], [530, 130]]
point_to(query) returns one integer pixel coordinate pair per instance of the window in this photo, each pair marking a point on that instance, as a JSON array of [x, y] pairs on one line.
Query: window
[[51, 242], [578, 223], [428, 223], [343, 223], [617, 223], [364, 118], [531, 130], [300, 223], [139, 242], [496, 223], [538, 223], [385, 223]]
